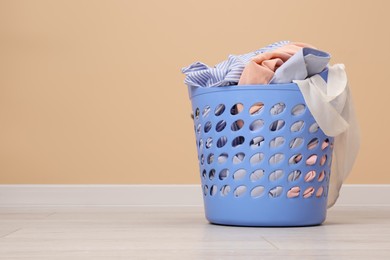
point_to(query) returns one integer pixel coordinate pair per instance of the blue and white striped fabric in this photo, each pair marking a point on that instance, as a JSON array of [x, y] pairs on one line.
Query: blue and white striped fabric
[[225, 73]]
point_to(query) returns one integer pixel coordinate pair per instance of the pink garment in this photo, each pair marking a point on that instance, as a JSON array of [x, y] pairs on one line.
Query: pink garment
[[311, 160], [319, 192], [293, 192], [308, 192], [321, 177], [310, 176], [262, 67]]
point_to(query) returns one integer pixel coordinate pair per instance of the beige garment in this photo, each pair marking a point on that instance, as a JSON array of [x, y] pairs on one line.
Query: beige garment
[[262, 67]]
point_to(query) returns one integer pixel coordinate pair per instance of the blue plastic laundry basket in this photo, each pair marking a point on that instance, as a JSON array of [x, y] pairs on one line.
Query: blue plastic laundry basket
[[263, 159]]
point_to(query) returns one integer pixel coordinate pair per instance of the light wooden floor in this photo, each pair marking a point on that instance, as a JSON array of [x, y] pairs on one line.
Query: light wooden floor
[[183, 233]]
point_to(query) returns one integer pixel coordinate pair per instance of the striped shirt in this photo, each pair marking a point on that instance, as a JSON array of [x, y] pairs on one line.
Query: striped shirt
[[225, 73]]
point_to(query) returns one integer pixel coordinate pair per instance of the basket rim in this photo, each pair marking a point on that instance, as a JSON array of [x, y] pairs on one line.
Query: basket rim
[[196, 91]]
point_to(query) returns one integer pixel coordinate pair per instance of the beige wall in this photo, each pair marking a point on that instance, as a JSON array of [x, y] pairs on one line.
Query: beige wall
[[91, 91]]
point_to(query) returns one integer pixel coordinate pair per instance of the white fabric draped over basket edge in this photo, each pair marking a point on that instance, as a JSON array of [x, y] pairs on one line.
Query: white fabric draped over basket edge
[[331, 106]]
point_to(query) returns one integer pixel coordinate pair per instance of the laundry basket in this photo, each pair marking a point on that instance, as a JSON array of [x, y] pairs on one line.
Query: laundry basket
[[263, 159]]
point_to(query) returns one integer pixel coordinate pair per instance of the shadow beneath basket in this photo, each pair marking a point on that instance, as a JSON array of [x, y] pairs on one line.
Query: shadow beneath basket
[[270, 227]]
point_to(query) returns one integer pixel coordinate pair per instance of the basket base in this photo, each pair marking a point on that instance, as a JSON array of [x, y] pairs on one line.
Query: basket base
[[241, 223], [266, 213]]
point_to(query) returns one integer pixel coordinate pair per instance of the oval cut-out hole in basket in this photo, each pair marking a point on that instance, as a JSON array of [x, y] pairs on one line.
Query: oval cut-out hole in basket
[[276, 142], [297, 126], [277, 109], [276, 175], [257, 191], [256, 108], [225, 190], [311, 160], [209, 142], [207, 127], [308, 192], [314, 128], [276, 158], [256, 175], [319, 192], [323, 160], [296, 142], [321, 177], [310, 176], [210, 158], [206, 111], [200, 144], [202, 159], [296, 158], [294, 175], [219, 109], [198, 129], [237, 125], [220, 126], [275, 192], [238, 158], [239, 174], [313, 143], [240, 191], [205, 189], [236, 109], [298, 110], [293, 192], [222, 158], [221, 141], [204, 173], [213, 190], [256, 158], [211, 174], [256, 142], [256, 125], [223, 174], [277, 125], [197, 112], [325, 144], [239, 140]]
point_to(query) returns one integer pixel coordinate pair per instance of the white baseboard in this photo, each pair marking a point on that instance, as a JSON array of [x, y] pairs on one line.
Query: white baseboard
[[100, 195], [157, 195]]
